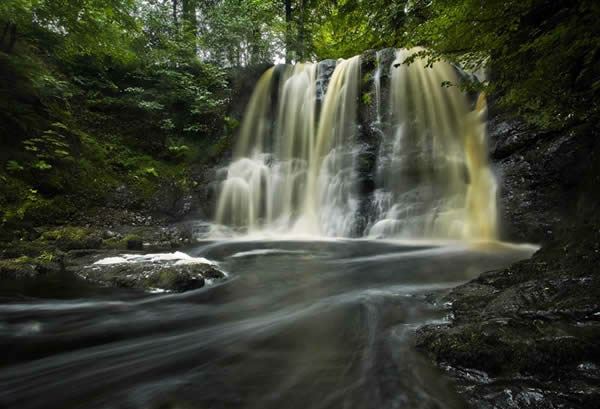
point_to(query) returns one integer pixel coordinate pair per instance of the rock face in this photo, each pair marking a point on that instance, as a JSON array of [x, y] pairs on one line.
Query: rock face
[[546, 179], [324, 72], [526, 336], [166, 272], [373, 122]]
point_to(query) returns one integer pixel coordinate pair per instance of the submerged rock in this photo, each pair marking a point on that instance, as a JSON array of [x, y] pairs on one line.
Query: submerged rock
[[163, 272]]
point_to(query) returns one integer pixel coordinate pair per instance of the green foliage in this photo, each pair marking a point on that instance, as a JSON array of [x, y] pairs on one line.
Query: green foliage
[[46, 257], [344, 28], [96, 94], [13, 166], [231, 124], [150, 171], [366, 98], [101, 28], [52, 146], [544, 55], [243, 32]]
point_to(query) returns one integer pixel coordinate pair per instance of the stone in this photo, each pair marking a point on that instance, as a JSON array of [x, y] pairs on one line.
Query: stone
[[160, 272]]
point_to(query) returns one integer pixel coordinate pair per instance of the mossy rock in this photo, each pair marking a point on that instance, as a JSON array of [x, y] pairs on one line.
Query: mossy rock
[[178, 279], [133, 242], [73, 238], [165, 276], [29, 267], [22, 267]]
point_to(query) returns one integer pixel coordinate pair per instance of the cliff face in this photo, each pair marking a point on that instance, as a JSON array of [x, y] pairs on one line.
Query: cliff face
[[548, 180]]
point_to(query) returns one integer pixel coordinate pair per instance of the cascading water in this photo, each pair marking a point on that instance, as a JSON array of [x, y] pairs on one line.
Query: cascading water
[[295, 164], [433, 178], [292, 173]]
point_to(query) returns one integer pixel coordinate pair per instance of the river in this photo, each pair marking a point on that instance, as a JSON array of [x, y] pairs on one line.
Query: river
[[298, 324]]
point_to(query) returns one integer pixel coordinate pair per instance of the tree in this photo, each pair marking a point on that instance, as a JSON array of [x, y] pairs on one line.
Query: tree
[[241, 32], [544, 55], [288, 31], [344, 28], [82, 27]]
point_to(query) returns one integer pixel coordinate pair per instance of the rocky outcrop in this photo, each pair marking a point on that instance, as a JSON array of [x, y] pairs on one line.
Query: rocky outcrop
[[373, 123], [325, 70], [526, 336], [25, 267], [547, 179], [161, 272]]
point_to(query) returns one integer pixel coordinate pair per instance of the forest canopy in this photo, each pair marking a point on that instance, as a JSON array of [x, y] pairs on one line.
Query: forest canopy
[[543, 54]]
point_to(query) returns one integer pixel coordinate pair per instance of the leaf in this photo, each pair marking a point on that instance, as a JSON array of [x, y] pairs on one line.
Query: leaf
[[42, 165]]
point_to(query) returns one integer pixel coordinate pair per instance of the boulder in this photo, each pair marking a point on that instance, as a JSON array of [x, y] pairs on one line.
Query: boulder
[[161, 272]]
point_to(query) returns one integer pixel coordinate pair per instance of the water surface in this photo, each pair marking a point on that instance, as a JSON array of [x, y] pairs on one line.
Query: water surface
[[298, 324]]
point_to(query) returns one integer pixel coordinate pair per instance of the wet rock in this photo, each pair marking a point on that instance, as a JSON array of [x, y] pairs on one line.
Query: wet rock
[[26, 267], [526, 336], [14, 269], [546, 179], [208, 179], [168, 272], [135, 244], [325, 70]]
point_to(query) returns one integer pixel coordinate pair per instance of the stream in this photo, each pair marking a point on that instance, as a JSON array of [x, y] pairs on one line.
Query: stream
[[298, 324]]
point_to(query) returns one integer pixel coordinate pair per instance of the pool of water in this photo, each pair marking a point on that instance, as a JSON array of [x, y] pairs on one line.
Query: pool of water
[[298, 324]]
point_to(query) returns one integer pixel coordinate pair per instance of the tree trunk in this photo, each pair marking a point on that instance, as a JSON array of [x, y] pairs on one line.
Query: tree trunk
[[288, 31], [189, 15], [6, 27], [300, 45], [190, 22], [13, 38], [255, 49], [175, 13]]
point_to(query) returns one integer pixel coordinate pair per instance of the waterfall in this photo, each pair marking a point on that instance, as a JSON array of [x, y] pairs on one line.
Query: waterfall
[[294, 169]]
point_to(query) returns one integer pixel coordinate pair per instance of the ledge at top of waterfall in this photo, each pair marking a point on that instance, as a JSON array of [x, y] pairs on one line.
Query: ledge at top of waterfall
[[304, 166]]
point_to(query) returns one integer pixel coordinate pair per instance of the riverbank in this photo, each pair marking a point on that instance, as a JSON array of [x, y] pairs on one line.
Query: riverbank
[[147, 257], [525, 336]]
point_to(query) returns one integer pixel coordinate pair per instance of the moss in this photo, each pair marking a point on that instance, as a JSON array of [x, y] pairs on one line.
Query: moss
[[72, 238], [366, 98], [50, 211], [130, 237], [21, 260], [114, 244], [67, 233], [20, 267], [132, 242], [367, 77], [166, 278]]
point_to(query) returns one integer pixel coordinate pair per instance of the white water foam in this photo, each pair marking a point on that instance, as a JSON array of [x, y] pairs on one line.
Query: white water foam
[[262, 252], [179, 257]]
